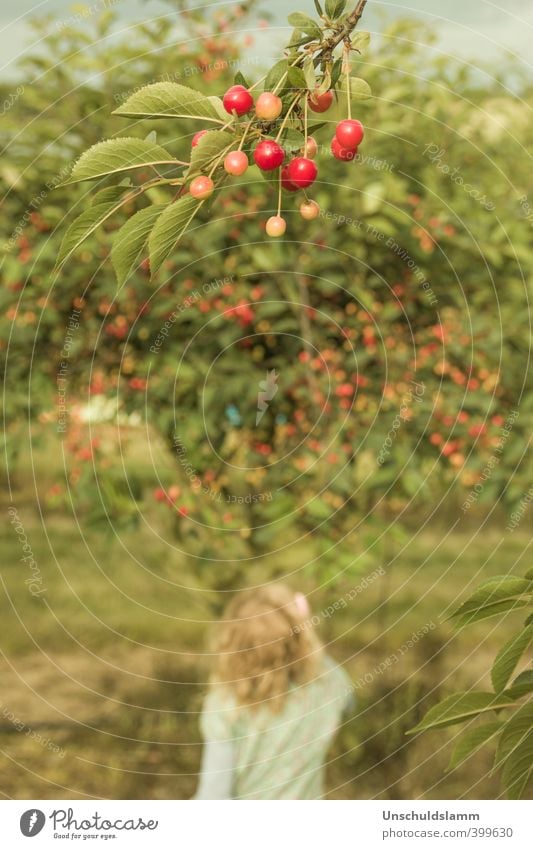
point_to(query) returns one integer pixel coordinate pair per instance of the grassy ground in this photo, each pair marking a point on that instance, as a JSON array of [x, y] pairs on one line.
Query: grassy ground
[[101, 682]]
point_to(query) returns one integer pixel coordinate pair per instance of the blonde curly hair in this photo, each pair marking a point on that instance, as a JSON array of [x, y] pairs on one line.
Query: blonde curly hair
[[265, 644]]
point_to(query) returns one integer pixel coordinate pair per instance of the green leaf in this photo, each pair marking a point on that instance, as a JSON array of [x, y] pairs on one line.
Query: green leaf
[[305, 23], [360, 41], [514, 732], [522, 685], [460, 707], [109, 201], [240, 79], [172, 100], [508, 657], [336, 72], [116, 155], [211, 145], [473, 740], [518, 768], [296, 78], [169, 228], [309, 73], [359, 88], [335, 8], [276, 74], [293, 140], [318, 8], [131, 239], [497, 595]]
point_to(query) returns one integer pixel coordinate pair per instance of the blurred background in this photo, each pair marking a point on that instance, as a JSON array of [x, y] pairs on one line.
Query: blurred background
[[392, 467]]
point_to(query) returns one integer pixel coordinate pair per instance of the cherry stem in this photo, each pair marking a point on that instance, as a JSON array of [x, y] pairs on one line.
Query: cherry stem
[[279, 192], [305, 124], [347, 73], [246, 131], [287, 116]]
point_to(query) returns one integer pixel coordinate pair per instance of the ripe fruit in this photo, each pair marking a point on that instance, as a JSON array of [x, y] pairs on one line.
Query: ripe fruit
[[202, 187], [302, 172], [197, 136], [268, 155], [276, 226], [236, 163], [340, 152], [268, 106], [285, 182], [237, 99], [349, 134], [309, 210], [310, 149], [320, 102]]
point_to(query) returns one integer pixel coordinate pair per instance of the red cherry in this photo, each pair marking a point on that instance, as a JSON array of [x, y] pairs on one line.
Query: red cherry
[[285, 182], [349, 134], [302, 172], [197, 136], [340, 152], [268, 106], [202, 187], [320, 102], [268, 155], [276, 226], [236, 163], [237, 99]]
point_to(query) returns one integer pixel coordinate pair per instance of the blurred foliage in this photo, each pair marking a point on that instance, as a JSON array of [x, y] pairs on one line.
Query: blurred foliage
[[508, 708], [398, 323]]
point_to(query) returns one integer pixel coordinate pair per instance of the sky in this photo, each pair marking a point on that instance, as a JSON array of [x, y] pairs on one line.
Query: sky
[[472, 30]]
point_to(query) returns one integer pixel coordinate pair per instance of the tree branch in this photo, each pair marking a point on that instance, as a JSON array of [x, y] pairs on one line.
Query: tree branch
[[344, 32]]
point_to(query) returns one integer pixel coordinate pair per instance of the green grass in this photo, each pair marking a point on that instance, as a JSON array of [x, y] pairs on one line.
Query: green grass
[[106, 664]]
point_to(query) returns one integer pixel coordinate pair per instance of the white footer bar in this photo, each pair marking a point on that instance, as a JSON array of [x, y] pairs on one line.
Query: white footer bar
[[268, 825]]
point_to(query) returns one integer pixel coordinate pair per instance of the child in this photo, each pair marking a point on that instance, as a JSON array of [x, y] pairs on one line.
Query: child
[[275, 702]]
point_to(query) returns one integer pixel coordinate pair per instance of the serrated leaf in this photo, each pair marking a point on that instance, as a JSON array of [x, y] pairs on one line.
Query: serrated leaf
[[518, 768], [296, 77], [302, 21], [514, 732], [497, 595], [169, 228], [360, 40], [110, 200], [335, 8], [116, 155], [359, 88], [460, 707], [276, 74], [473, 740], [131, 239], [521, 686], [211, 145], [508, 657], [171, 100]]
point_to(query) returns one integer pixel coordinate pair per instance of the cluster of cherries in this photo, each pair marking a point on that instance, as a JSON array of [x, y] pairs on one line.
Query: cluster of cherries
[[301, 171]]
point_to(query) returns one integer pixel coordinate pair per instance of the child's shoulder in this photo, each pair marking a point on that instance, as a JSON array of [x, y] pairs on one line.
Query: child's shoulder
[[334, 676], [218, 713]]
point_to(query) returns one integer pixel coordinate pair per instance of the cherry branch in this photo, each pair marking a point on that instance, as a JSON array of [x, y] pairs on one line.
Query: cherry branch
[[342, 34]]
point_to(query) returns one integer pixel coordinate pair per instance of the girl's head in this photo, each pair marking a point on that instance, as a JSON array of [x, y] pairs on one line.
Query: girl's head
[[265, 644]]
